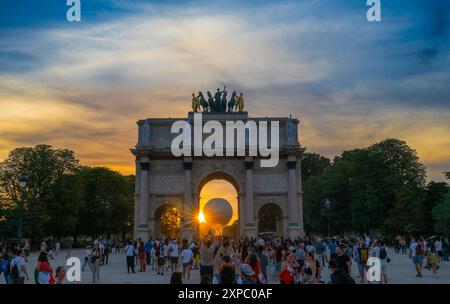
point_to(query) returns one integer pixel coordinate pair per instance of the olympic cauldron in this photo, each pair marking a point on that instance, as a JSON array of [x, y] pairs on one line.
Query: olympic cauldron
[[218, 212]]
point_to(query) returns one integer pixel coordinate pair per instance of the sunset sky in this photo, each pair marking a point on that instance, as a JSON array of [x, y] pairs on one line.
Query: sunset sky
[[83, 85]]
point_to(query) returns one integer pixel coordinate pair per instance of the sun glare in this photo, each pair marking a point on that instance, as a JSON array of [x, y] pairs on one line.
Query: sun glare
[[201, 217]]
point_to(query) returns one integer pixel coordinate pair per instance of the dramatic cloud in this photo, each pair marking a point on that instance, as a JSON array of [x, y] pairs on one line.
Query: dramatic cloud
[[351, 82]]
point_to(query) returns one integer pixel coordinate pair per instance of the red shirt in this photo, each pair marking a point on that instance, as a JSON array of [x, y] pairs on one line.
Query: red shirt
[[256, 270], [44, 266]]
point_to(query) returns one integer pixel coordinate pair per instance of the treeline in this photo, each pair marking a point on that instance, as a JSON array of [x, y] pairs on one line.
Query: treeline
[[61, 197], [380, 190]]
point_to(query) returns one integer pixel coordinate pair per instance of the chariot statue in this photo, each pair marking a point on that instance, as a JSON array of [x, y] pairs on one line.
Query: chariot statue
[[217, 103], [195, 103]]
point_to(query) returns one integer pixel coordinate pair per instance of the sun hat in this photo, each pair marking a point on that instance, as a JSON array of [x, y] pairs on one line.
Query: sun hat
[[247, 269]]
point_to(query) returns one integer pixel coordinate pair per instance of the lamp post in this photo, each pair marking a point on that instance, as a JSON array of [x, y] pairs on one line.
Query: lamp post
[[107, 205], [328, 206], [22, 184]]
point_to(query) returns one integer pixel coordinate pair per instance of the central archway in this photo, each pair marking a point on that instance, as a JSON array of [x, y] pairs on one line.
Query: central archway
[[219, 185]]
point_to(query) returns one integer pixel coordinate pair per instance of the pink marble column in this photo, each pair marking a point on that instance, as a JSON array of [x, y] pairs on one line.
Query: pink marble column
[[188, 204], [143, 198], [292, 194], [188, 211], [250, 227]]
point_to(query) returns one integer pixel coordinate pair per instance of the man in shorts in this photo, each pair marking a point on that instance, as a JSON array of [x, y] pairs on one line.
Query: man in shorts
[[174, 256], [416, 254]]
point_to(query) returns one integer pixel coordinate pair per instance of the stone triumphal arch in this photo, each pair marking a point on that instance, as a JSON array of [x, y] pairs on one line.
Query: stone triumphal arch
[[272, 194]]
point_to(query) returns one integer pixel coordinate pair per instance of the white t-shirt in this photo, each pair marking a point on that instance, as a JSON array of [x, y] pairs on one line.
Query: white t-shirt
[[20, 262], [438, 246], [129, 250], [166, 250], [413, 248], [174, 250], [187, 255]]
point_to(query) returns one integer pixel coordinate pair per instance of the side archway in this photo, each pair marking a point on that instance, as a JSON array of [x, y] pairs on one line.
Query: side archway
[[167, 221], [270, 219]]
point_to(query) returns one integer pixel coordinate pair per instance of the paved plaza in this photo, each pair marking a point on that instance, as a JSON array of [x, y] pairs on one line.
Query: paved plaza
[[400, 271]]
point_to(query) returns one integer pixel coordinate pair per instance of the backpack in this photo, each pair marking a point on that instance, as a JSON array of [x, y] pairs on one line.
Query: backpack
[[383, 253], [4, 266], [364, 255], [419, 250]]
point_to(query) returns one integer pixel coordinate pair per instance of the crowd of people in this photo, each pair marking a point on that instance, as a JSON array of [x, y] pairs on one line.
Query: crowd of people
[[225, 260]]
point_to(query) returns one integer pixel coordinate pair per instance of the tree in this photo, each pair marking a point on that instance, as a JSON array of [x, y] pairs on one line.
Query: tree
[[44, 168], [108, 202], [441, 215], [313, 205], [369, 186], [66, 203], [313, 164], [447, 174], [407, 212], [435, 193], [379, 189], [402, 160], [170, 220], [407, 177]]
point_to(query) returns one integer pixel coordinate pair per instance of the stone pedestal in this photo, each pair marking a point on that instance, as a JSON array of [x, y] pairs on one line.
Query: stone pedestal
[[187, 233], [294, 231], [251, 231], [143, 232]]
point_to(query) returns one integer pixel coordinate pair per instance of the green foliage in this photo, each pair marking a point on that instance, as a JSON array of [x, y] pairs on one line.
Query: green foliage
[[435, 193], [313, 164], [108, 202], [402, 161], [441, 215], [61, 198], [407, 212], [379, 189], [65, 205], [44, 168]]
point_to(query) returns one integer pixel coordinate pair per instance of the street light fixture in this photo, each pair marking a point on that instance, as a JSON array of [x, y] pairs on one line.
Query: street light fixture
[[23, 179], [328, 207], [107, 205]]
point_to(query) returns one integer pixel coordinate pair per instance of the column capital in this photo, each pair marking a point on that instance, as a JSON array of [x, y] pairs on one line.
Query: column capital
[[248, 164], [145, 166], [188, 165], [291, 164]]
